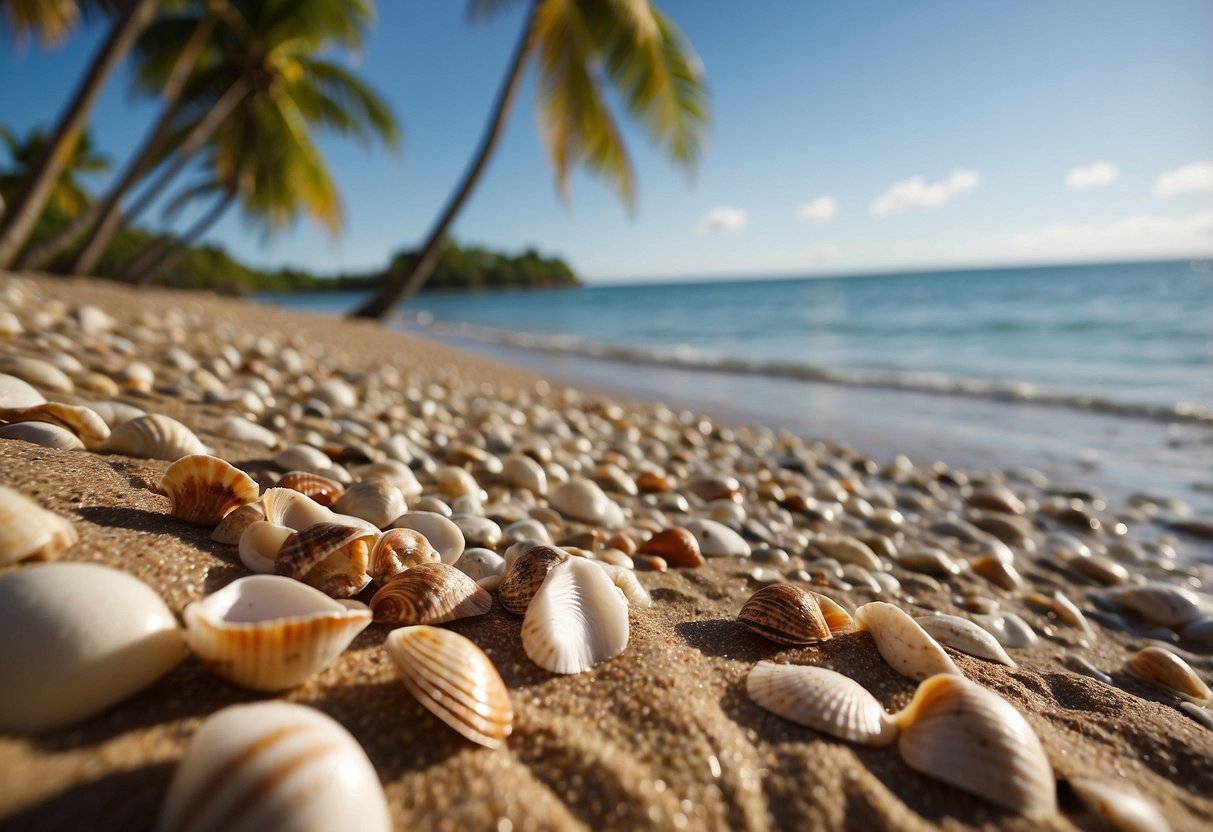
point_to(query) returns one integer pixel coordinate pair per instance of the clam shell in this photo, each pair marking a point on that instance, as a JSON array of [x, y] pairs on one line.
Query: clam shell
[[274, 765], [1008, 628], [429, 593], [241, 429], [321, 489], [678, 547], [822, 700], [396, 473], [27, 530], [453, 679], [398, 550], [290, 508], [965, 636], [233, 526], [329, 556], [836, 616], [374, 500], [442, 534], [205, 489], [577, 619], [303, 458], [81, 421], [153, 436], [582, 499], [41, 374], [963, 734], [480, 563], [520, 471], [17, 392], [902, 642], [1159, 665], [1060, 606], [44, 434], [785, 613], [271, 633], [1117, 803], [717, 540], [526, 574], [78, 638], [114, 413]]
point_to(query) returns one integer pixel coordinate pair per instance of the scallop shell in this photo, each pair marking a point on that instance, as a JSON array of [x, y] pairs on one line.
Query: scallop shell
[[1117, 803], [398, 550], [678, 547], [153, 436], [786, 614], [526, 574], [577, 619], [271, 633], [83, 422], [902, 642], [453, 679], [323, 490], [963, 734], [27, 530], [233, 526], [205, 489], [965, 636], [442, 534], [274, 765], [374, 500], [429, 593], [44, 434], [1159, 665], [78, 638], [822, 700], [329, 556]]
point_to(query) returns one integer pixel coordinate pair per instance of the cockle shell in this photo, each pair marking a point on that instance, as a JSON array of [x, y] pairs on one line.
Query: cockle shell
[[329, 556], [274, 765], [1119, 804], [205, 489], [454, 680], [153, 436], [78, 638], [442, 534], [1161, 666], [44, 434], [374, 500], [678, 547], [785, 613], [271, 633], [902, 642], [965, 636], [582, 499], [27, 530], [429, 593], [577, 619], [717, 540], [526, 574], [398, 550], [322, 490], [823, 700], [970, 737], [83, 422]]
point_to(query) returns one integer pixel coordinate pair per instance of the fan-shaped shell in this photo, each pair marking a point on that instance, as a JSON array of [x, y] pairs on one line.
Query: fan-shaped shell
[[274, 765], [205, 489], [153, 436], [83, 422], [577, 619], [374, 500], [965, 636], [1159, 665], [27, 530], [526, 574], [972, 738], [678, 547], [823, 700], [321, 489], [398, 550], [785, 613], [271, 633], [329, 556], [902, 642], [429, 593], [44, 434], [453, 679]]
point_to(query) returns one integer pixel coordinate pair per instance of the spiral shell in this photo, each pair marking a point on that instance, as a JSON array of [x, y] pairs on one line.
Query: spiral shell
[[153, 436], [526, 574], [822, 700], [786, 614], [453, 679], [321, 489], [398, 550], [28, 531], [205, 489], [577, 619], [902, 642], [429, 593], [329, 556], [1161, 666]]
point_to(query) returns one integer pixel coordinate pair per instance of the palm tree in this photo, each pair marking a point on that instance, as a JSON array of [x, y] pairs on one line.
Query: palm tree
[[577, 45], [67, 197], [49, 21], [19, 221]]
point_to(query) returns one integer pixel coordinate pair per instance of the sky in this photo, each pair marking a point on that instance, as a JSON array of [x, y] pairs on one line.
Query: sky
[[847, 136]]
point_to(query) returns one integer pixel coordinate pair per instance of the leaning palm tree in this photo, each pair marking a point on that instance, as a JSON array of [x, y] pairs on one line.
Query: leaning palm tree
[[578, 45], [67, 197]]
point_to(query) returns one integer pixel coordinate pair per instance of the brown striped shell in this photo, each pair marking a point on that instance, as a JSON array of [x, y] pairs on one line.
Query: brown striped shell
[[329, 556], [524, 577], [323, 490], [678, 547], [205, 489], [398, 550], [429, 593], [786, 614]]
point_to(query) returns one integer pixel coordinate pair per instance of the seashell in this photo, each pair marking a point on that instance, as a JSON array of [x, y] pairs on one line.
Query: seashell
[[520, 471], [239, 429], [398, 550], [1199, 713], [479, 563], [44, 434], [78, 638], [583, 499], [1159, 603], [836, 616], [850, 550], [998, 572], [677, 547], [17, 392], [823, 700], [1060, 606], [293, 509], [577, 619], [114, 413], [441, 532], [205, 489], [82, 422], [274, 765], [628, 583], [396, 473], [452, 481], [1199, 631], [271, 633], [1008, 628], [329, 556], [717, 540], [303, 458], [1123, 808], [1079, 663], [965, 636], [232, 528], [963, 734], [902, 642], [477, 531], [1101, 570], [153, 436], [260, 543], [43, 375], [527, 529], [930, 561], [454, 680], [374, 500], [1159, 665], [786, 614], [10, 324], [27, 530], [137, 377], [321, 489], [526, 573], [429, 593]]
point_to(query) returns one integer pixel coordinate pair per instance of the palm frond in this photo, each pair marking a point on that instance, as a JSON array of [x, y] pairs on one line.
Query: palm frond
[[330, 95], [49, 21]]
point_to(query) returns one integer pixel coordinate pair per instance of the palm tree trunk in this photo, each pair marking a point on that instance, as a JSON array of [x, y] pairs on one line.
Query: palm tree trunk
[[169, 256], [139, 164], [398, 288], [109, 224], [20, 220]]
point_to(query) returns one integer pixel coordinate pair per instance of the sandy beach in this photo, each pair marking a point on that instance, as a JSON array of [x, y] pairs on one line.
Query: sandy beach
[[664, 735]]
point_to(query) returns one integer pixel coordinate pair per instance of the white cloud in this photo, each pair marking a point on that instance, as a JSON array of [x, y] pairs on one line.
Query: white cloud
[[722, 220], [1100, 173], [1197, 176], [822, 209], [824, 253], [915, 192], [1133, 229]]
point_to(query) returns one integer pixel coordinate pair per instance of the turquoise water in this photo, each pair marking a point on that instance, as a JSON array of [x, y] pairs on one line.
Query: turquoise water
[[1133, 338]]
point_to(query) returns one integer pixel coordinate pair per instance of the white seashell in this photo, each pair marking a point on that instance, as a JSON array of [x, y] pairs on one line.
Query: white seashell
[[970, 737], [717, 540], [478, 563], [453, 481], [78, 638], [80, 421], [303, 458], [441, 532], [628, 583], [528, 529], [153, 436], [577, 619], [521, 471], [260, 543], [396, 473], [268, 632], [44, 434], [136, 376], [478, 531], [1008, 628], [374, 500], [965, 636], [582, 499], [17, 392], [274, 765], [114, 413], [239, 429], [205, 489], [822, 700], [41, 374], [27, 530], [850, 550], [1158, 603], [1119, 804], [290, 508], [902, 643], [92, 320]]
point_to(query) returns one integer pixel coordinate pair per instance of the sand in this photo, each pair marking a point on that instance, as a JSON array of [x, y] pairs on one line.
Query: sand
[[661, 737]]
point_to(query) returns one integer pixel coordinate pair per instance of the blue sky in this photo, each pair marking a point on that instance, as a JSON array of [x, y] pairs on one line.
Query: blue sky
[[847, 136]]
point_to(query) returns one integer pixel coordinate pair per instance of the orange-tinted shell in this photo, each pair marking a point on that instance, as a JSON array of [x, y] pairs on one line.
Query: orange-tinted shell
[[205, 489], [321, 489], [786, 614], [429, 593]]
